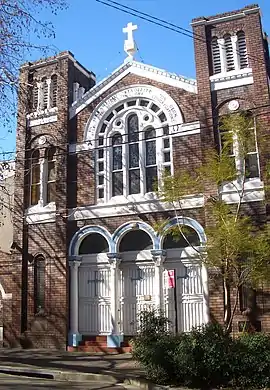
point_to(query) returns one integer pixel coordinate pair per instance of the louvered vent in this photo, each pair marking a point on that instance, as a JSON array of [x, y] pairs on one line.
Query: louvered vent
[[44, 94], [242, 49], [35, 97], [216, 56], [229, 52], [54, 90]]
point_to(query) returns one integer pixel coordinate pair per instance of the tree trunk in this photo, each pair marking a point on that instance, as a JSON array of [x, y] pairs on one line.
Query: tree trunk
[[227, 303]]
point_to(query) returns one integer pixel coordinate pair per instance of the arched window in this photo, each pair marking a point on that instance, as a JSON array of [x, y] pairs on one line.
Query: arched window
[[174, 238], [94, 243], [135, 240], [53, 91], [44, 94], [51, 174], [229, 52], [242, 49], [133, 150], [35, 181], [117, 165], [39, 284], [216, 56], [35, 97]]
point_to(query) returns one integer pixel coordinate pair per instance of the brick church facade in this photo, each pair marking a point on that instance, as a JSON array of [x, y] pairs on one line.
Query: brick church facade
[[86, 258]]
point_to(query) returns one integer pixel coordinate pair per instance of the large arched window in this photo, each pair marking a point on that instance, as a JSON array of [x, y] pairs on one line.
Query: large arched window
[[133, 150]]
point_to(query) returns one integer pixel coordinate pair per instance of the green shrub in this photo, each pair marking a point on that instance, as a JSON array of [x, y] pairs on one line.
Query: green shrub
[[251, 365], [203, 358]]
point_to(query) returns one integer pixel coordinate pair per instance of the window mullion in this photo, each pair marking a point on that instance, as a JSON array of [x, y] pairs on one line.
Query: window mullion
[[125, 163]]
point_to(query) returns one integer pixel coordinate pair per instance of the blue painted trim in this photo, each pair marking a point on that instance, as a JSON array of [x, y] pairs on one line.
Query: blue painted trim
[[74, 339], [185, 221], [85, 231], [124, 229]]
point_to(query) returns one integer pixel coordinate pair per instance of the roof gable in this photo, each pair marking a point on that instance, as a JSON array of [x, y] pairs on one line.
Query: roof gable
[[136, 68]]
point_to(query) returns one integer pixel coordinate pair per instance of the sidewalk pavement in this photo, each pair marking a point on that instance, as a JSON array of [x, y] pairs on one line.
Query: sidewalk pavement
[[73, 366]]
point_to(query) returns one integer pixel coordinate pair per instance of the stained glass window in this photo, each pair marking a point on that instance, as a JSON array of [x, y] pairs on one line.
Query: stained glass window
[[117, 165], [136, 158]]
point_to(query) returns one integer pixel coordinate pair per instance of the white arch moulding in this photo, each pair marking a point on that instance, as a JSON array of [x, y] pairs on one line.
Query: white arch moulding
[[122, 230], [154, 94], [84, 232]]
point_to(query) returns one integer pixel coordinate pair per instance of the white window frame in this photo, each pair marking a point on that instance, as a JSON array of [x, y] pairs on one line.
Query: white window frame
[[239, 162], [43, 181]]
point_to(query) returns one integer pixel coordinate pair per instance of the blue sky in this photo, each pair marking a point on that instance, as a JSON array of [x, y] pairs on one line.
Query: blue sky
[[93, 33]]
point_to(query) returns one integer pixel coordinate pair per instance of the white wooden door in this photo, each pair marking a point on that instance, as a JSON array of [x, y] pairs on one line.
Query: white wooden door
[[137, 294], [189, 296], [94, 300]]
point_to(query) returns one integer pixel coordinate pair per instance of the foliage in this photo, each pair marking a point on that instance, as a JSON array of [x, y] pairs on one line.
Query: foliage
[[236, 245], [19, 34], [204, 358]]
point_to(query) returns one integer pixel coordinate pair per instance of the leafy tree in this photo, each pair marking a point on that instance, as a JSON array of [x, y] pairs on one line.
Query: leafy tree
[[237, 246], [19, 27]]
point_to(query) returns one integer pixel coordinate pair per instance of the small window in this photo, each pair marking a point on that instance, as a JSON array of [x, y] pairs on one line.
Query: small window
[[35, 178], [39, 284], [117, 165]]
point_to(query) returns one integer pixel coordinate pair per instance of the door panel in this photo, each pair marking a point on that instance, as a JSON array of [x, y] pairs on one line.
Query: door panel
[[94, 300], [189, 296], [137, 294]]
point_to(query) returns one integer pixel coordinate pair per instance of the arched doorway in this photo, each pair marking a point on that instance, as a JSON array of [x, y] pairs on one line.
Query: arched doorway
[[183, 303], [137, 278], [94, 285]]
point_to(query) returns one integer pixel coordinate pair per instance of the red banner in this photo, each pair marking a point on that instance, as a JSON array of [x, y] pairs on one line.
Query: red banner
[[171, 279]]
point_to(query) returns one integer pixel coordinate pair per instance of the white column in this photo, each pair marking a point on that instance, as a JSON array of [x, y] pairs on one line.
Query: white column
[[115, 261], [222, 51], [74, 301], [158, 257], [236, 58]]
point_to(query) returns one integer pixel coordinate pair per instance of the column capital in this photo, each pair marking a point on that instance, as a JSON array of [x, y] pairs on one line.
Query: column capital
[[75, 261], [158, 256], [114, 259], [221, 41]]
